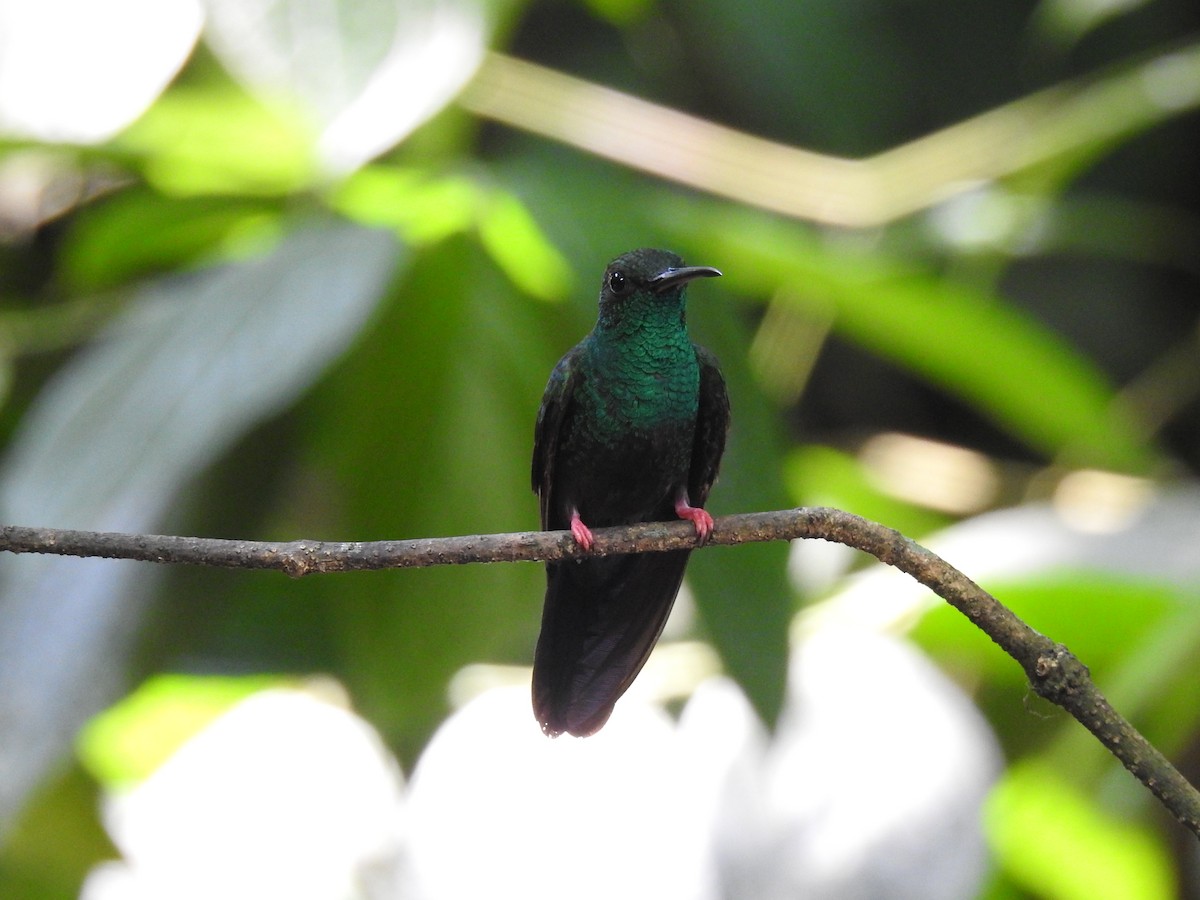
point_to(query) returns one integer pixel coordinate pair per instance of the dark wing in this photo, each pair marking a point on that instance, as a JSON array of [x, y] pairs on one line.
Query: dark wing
[[556, 403], [601, 619], [712, 425]]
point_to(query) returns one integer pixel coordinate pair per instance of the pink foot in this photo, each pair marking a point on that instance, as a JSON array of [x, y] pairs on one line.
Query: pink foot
[[697, 516], [583, 534]]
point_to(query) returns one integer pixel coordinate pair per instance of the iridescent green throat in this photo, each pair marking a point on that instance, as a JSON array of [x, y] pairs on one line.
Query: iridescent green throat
[[640, 366]]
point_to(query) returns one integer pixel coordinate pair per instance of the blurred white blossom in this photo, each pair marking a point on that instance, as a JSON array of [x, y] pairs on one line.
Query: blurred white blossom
[[872, 787], [285, 795], [79, 71]]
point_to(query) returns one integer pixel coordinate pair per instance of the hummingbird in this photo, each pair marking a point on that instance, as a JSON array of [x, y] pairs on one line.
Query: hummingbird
[[631, 429]]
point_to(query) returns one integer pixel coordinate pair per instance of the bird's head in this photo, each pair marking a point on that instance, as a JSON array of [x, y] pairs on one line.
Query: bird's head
[[645, 281]]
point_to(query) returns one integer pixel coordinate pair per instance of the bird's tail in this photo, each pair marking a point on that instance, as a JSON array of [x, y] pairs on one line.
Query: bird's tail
[[601, 619]]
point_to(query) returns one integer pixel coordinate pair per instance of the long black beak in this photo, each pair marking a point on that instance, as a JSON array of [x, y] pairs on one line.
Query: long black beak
[[669, 278]]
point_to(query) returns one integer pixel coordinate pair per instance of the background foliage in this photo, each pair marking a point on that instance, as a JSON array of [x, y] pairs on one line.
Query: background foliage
[[267, 308]]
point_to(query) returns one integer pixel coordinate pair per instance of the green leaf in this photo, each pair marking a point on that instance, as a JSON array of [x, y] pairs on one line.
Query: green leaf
[[1103, 617], [971, 344], [521, 249], [443, 392], [423, 208], [1100, 615], [620, 12], [1059, 844], [1152, 676], [138, 232], [743, 593], [186, 368], [217, 140], [58, 839]]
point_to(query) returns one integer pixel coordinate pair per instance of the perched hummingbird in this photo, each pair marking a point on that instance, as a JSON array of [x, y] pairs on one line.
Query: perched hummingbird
[[631, 429]]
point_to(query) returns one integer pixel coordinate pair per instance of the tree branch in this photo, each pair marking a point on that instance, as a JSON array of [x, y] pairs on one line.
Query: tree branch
[[1053, 671]]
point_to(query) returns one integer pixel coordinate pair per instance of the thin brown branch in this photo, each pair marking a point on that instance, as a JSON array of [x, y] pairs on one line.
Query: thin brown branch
[[1053, 671]]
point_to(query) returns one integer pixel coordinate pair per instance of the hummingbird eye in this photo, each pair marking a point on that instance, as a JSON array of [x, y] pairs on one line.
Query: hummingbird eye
[[616, 282]]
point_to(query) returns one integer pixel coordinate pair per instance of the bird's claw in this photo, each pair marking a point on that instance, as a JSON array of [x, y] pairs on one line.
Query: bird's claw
[[582, 534], [697, 516]]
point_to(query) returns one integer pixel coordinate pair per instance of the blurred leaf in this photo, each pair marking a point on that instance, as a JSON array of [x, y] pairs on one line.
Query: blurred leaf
[[1154, 680], [1099, 615], [443, 393], [179, 374], [521, 249], [56, 842], [136, 233], [1065, 22], [128, 741], [1058, 843], [971, 344], [217, 140], [426, 209], [8, 348], [778, 58], [423, 208], [1158, 681], [743, 593], [1103, 618], [620, 12], [53, 326], [191, 364], [823, 476]]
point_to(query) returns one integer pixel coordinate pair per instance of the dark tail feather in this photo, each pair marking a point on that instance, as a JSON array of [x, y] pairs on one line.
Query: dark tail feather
[[600, 621]]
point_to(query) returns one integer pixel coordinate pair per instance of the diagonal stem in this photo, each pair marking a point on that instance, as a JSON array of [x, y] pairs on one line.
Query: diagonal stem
[[1053, 671]]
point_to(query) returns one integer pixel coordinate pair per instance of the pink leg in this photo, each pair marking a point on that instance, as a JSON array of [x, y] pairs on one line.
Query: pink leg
[[697, 516], [583, 534]]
